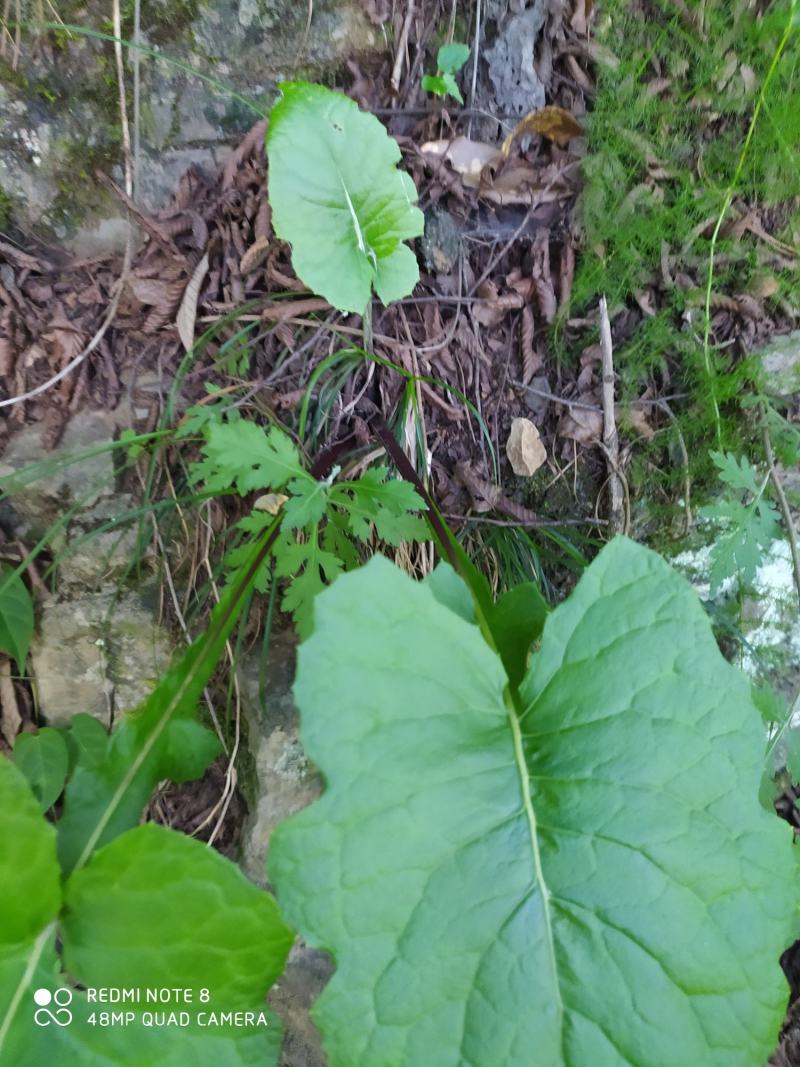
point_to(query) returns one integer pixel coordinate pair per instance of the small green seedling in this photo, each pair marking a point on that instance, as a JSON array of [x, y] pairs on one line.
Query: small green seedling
[[450, 59]]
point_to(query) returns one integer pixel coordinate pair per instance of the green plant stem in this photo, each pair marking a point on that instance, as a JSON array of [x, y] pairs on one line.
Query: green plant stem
[[783, 503], [709, 368]]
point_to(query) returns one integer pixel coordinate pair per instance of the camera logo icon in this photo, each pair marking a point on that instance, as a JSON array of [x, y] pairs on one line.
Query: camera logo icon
[[59, 1014]]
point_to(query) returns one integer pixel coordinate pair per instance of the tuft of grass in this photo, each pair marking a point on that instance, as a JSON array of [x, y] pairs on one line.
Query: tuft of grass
[[665, 140]]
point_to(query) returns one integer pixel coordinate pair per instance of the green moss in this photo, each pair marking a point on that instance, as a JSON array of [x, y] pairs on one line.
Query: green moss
[[6, 207]]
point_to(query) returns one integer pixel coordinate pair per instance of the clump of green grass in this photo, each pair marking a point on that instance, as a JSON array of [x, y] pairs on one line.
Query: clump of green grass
[[665, 137]]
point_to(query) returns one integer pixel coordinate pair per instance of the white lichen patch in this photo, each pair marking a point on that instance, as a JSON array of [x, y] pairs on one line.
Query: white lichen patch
[[770, 620]]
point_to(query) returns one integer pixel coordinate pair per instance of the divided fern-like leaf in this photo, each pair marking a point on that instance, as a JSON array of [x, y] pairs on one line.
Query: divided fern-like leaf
[[321, 519], [748, 522]]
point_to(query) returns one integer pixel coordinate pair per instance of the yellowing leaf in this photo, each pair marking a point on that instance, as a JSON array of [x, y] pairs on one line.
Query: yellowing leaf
[[552, 122], [271, 502]]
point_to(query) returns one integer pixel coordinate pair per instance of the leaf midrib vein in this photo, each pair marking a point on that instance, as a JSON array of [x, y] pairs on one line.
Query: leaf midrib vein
[[527, 803]]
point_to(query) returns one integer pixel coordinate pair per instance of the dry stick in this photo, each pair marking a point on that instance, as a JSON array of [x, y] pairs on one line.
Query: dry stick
[[475, 53], [783, 503], [402, 44], [610, 439], [136, 59], [123, 111], [230, 772]]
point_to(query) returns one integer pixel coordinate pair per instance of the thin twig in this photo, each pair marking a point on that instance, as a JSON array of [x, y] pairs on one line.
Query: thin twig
[[136, 60], [402, 44], [475, 54], [610, 439], [783, 503]]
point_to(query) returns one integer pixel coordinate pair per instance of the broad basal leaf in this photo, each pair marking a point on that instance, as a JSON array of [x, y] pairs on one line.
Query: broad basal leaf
[[587, 879], [31, 889], [338, 198], [16, 616], [198, 922], [44, 760]]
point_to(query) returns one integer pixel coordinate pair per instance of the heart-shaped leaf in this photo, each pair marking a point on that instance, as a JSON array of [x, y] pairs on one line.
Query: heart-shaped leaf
[[581, 876], [338, 198], [43, 758]]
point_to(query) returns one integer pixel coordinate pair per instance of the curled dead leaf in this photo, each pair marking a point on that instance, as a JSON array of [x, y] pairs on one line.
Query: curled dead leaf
[[270, 502], [524, 448], [555, 123], [10, 718], [584, 425], [254, 256], [494, 307], [187, 312], [467, 158]]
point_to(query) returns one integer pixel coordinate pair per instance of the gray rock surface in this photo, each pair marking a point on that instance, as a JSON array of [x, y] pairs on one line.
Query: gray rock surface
[[517, 87], [60, 110], [780, 360], [96, 650], [97, 653], [283, 783], [283, 780]]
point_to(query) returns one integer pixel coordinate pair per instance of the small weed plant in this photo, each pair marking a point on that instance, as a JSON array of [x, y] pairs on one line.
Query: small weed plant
[[449, 61]]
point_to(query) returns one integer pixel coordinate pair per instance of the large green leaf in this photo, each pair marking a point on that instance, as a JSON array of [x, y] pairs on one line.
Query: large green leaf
[[31, 889], [197, 921], [585, 879], [338, 198], [129, 1043]]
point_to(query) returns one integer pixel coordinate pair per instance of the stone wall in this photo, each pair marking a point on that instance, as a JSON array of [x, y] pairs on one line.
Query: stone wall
[[59, 100]]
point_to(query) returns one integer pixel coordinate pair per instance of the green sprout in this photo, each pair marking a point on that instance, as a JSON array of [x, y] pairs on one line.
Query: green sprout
[[450, 59]]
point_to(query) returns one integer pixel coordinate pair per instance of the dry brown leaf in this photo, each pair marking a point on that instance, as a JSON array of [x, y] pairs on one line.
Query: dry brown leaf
[[187, 312], [254, 256], [555, 123], [531, 359], [579, 16], [289, 309], [63, 341], [22, 259], [270, 502], [262, 224], [634, 417], [762, 287], [542, 278], [494, 307], [524, 448], [583, 425], [6, 357], [521, 183], [10, 718], [748, 78], [646, 300]]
